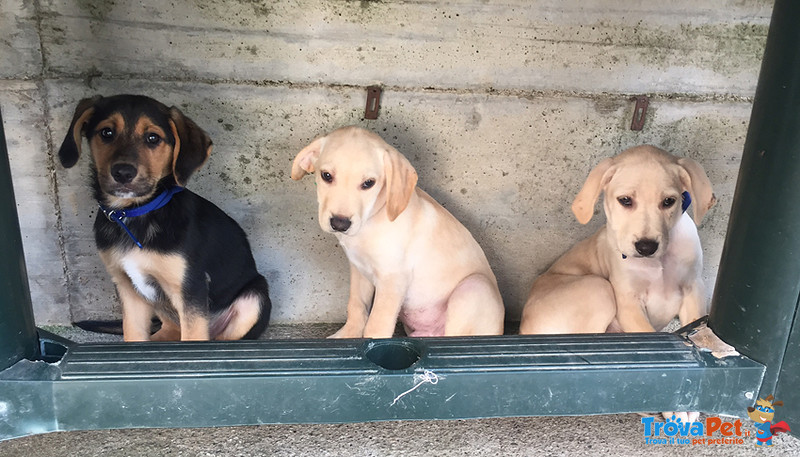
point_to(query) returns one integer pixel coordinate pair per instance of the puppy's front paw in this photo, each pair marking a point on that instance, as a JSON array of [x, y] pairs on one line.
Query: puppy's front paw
[[682, 417], [348, 331]]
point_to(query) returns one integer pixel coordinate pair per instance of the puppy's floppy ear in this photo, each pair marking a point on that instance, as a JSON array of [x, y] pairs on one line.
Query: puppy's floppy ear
[[583, 205], [304, 160], [70, 149], [694, 179], [192, 146], [401, 178]]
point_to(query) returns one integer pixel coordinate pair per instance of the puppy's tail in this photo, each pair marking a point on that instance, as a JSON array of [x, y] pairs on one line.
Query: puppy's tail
[[113, 327]]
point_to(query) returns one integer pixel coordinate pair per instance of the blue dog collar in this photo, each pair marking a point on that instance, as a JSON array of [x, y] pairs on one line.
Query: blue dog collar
[[118, 215], [686, 201]]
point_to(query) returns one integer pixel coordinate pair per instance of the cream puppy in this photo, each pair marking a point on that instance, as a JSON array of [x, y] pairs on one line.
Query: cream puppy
[[644, 266], [410, 259]]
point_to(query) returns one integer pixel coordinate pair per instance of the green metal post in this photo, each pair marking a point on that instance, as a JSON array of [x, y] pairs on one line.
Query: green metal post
[[18, 338], [756, 297]]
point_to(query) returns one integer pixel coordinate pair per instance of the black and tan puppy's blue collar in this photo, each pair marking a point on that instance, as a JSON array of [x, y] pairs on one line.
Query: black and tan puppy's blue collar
[[119, 215]]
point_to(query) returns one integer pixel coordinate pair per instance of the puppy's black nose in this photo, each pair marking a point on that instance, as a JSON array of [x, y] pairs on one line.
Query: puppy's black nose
[[123, 173], [340, 224], [646, 247]]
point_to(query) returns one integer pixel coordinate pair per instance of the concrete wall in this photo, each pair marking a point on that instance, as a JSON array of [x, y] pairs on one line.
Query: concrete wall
[[503, 108]]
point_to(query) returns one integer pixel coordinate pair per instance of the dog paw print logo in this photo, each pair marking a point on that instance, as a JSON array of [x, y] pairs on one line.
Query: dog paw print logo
[[762, 415]]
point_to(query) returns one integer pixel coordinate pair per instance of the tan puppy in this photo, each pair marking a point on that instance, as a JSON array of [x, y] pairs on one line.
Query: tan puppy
[[644, 266], [409, 258]]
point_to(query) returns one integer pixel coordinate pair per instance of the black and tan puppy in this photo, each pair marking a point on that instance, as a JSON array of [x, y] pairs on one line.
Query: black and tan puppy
[[170, 252]]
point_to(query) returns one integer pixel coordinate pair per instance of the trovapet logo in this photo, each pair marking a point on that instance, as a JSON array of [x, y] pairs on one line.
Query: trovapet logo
[[762, 415], [710, 432], [715, 431]]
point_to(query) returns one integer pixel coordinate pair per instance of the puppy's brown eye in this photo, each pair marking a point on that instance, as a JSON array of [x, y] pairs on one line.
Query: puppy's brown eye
[[367, 184], [153, 139], [107, 134], [625, 201], [668, 202], [327, 177]]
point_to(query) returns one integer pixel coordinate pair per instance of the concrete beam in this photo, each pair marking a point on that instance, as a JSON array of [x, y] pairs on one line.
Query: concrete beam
[[692, 47]]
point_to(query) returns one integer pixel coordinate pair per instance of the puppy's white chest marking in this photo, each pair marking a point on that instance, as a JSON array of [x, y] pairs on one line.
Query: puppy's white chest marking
[[139, 279]]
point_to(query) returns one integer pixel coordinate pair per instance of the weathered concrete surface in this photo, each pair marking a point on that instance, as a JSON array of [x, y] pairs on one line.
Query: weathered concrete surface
[[685, 46], [503, 110], [20, 49]]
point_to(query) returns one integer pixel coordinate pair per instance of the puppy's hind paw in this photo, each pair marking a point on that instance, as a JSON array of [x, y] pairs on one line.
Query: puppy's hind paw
[[348, 332]]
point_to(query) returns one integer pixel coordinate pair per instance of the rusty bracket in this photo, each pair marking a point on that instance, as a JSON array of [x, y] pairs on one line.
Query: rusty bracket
[[639, 112], [373, 102]]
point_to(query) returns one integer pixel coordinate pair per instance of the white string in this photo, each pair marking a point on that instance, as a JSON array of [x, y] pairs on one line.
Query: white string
[[427, 376]]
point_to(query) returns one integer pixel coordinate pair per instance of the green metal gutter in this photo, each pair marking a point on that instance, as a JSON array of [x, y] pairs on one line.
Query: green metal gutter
[[98, 386]]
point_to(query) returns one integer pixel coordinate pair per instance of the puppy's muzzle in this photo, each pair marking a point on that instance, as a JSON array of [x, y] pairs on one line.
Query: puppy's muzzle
[[340, 224], [646, 247], [123, 173]]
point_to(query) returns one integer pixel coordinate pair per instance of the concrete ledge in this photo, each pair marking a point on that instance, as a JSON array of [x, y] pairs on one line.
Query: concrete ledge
[[705, 47]]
